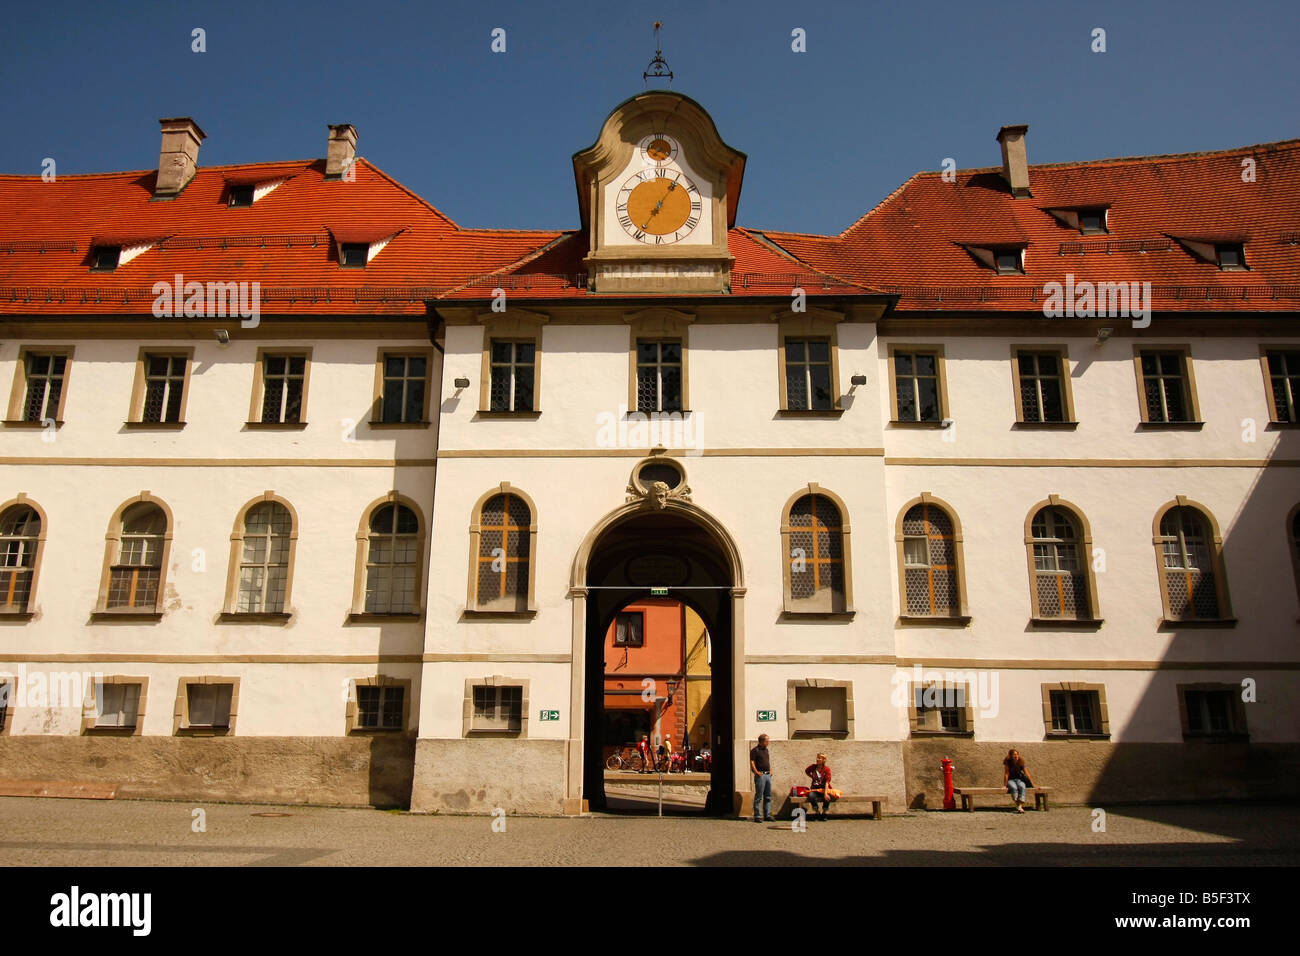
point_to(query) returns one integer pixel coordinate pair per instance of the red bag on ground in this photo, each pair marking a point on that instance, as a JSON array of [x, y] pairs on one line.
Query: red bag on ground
[[798, 791]]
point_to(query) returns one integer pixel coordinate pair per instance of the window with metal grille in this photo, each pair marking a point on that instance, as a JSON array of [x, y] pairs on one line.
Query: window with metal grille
[[513, 374], [916, 386], [498, 708], [808, 375], [1284, 382], [941, 709], [137, 571], [1164, 386], [1075, 711], [930, 563], [1186, 549], [1212, 713], [164, 384], [283, 377], [658, 376], [118, 705], [392, 560], [503, 553], [404, 388], [45, 373], [264, 559], [1060, 579], [816, 555], [20, 536], [380, 707], [209, 704], [629, 629], [1041, 394]]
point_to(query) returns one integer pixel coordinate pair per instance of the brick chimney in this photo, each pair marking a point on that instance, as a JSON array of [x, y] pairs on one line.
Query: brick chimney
[[342, 150], [179, 159], [1015, 161]]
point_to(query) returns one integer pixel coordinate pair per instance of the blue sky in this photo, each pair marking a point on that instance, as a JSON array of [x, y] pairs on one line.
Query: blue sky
[[884, 89]]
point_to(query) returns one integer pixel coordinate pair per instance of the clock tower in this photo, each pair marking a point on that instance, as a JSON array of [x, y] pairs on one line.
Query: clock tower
[[657, 192]]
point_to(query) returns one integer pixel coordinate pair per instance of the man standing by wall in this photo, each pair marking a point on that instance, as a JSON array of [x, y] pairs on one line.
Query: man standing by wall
[[760, 763]]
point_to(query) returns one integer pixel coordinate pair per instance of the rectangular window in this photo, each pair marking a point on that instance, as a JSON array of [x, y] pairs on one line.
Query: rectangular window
[[45, 374], [1009, 262], [1042, 396], [1075, 712], [164, 387], [209, 704], [1284, 383], [283, 377], [354, 255], [1092, 221], [808, 375], [658, 376], [241, 197], [916, 386], [629, 629], [118, 705], [405, 384], [105, 258], [1231, 255], [498, 708], [940, 709], [380, 707], [1165, 388], [512, 376], [818, 710]]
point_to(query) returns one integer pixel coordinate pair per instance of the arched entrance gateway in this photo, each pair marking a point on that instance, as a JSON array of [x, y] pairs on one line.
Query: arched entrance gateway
[[660, 540]]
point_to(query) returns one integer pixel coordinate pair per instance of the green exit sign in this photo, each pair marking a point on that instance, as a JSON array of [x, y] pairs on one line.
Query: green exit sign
[[658, 592], [767, 715], [550, 715]]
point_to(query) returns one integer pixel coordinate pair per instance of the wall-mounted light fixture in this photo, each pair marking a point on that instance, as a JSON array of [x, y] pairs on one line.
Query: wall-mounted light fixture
[[859, 379], [461, 382], [223, 337], [1103, 335]]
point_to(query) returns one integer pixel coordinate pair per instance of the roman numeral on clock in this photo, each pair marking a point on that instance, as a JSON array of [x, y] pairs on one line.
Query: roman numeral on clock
[[658, 240], [696, 206], [625, 221], [692, 222], [638, 235]]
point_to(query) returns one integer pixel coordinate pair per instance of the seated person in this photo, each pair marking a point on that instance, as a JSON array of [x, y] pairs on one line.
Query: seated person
[[820, 775]]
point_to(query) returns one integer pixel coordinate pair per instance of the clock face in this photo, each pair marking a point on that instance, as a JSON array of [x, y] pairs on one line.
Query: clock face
[[658, 149], [659, 205]]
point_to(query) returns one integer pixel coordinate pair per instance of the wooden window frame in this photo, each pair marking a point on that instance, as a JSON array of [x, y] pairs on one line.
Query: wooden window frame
[[90, 712], [1274, 421], [789, 606], [135, 414], [359, 614], [27, 611], [1238, 712], [1074, 687], [353, 712], [945, 412], [1189, 387], [1094, 618], [1062, 353], [658, 325], [513, 325], [181, 726], [496, 681], [915, 715], [472, 605], [641, 632], [815, 323], [8, 702], [18, 393], [1225, 618], [259, 373], [792, 688], [230, 612], [112, 542], [963, 617], [377, 408]]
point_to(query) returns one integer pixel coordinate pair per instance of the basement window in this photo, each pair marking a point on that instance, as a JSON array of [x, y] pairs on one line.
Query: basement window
[[1092, 221], [1009, 262], [105, 258], [241, 197], [1230, 255], [353, 255]]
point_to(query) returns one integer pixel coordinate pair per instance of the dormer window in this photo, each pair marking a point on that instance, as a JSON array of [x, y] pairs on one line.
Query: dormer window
[[1009, 262], [1230, 255], [105, 258], [1092, 221], [241, 197], [353, 255]]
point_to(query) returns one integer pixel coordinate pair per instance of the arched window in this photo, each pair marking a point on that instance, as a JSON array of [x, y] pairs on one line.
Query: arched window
[[1062, 586], [261, 560], [392, 560], [21, 533], [138, 541], [929, 559], [1188, 548], [815, 552], [503, 548]]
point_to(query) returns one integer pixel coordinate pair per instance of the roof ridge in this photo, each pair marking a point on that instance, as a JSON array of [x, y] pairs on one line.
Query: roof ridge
[[144, 172], [782, 251], [522, 260]]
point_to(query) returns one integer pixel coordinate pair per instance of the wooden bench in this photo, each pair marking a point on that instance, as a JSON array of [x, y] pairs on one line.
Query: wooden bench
[[968, 795], [876, 803]]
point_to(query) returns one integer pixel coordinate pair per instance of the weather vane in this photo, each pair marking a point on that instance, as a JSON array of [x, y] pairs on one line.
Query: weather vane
[[658, 67]]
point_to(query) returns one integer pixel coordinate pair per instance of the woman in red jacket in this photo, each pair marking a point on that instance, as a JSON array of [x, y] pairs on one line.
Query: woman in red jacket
[[820, 775]]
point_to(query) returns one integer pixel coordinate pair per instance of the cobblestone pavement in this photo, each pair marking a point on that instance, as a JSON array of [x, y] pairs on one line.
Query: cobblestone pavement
[[42, 832]]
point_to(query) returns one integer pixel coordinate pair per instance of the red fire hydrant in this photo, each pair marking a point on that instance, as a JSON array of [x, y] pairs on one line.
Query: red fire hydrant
[[949, 802]]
